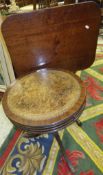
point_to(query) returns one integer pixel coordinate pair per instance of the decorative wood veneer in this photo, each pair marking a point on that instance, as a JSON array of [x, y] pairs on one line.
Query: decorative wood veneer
[[44, 97]]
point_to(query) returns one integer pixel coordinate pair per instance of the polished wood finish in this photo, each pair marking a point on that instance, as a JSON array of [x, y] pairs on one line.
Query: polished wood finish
[[46, 100], [60, 37]]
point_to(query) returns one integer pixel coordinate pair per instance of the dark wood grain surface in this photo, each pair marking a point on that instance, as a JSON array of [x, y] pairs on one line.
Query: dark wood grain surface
[[60, 37]]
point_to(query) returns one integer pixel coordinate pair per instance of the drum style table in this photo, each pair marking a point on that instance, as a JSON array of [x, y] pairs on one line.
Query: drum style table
[[45, 101]]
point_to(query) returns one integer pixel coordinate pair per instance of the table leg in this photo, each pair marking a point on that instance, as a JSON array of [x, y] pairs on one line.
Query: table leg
[[63, 152], [79, 123]]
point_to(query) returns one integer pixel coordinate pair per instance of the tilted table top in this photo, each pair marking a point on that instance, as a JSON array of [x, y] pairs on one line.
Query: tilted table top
[[44, 99]]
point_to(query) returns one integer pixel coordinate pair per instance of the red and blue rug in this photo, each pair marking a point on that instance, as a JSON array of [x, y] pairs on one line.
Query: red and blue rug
[[84, 145]]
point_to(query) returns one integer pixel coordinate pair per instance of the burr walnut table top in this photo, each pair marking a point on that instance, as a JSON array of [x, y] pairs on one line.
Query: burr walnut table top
[[44, 97]]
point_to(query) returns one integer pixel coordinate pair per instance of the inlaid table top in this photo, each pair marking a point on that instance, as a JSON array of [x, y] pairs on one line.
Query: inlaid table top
[[44, 97]]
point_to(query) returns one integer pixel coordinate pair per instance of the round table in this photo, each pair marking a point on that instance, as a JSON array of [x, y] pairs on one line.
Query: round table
[[45, 101]]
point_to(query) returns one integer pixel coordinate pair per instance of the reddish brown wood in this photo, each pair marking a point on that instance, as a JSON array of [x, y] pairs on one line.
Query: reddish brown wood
[[60, 37]]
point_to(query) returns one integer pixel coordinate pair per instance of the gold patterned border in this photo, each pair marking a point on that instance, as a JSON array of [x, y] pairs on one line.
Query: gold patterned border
[[79, 135], [52, 157], [87, 144], [98, 62], [91, 112], [94, 74]]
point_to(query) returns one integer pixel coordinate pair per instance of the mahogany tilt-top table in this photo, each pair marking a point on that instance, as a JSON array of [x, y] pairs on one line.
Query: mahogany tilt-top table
[[45, 101]]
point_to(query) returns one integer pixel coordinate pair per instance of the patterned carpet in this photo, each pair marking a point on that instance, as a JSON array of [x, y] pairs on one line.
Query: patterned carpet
[[84, 146]]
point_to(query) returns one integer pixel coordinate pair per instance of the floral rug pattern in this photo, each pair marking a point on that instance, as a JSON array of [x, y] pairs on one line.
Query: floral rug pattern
[[83, 145]]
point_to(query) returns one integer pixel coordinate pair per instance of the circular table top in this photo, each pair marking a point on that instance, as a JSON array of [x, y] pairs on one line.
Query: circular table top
[[44, 97]]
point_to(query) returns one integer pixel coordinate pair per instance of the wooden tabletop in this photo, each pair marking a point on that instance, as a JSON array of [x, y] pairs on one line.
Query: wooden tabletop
[[44, 39], [44, 97]]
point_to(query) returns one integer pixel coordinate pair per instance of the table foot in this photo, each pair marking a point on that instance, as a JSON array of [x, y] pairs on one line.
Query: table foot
[[79, 123], [63, 152]]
